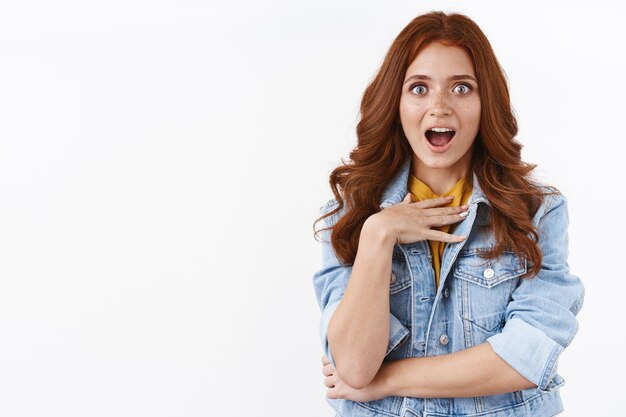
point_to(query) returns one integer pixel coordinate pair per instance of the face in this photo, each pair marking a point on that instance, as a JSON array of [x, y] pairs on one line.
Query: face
[[440, 91]]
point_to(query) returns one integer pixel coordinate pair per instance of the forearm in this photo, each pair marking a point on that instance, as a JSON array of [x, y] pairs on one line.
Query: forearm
[[473, 372], [358, 331]]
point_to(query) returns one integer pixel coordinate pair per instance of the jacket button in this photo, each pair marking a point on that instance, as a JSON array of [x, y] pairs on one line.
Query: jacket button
[[393, 278], [443, 339], [489, 273], [446, 292]]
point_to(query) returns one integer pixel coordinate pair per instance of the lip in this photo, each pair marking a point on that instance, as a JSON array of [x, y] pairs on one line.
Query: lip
[[439, 149], [440, 126]]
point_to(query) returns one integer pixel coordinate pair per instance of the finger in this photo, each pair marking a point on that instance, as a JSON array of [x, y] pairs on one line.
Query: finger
[[332, 394], [442, 211], [445, 220], [329, 381], [408, 198], [434, 202], [328, 370], [443, 237], [325, 360]]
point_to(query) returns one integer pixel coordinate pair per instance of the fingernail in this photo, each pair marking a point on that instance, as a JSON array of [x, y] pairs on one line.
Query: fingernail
[[465, 213]]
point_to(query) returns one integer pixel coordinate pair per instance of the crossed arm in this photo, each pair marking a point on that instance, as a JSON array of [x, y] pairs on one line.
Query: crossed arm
[[473, 372], [540, 324]]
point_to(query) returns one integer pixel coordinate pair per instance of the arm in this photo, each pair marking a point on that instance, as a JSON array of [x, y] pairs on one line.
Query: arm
[[356, 298], [540, 324], [541, 316], [361, 321], [358, 331], [473, 372]]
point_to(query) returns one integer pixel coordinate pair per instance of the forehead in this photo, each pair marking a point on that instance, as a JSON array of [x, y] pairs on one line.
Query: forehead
[[439, 60]]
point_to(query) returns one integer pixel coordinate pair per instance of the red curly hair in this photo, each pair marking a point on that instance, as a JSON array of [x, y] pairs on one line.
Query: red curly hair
[[382, 146]]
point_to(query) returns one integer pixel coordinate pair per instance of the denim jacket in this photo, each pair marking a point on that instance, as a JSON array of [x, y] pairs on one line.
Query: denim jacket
[[528, 322]]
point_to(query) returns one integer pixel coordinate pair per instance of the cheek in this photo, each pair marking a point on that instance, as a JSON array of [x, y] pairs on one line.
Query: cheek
[[471, 114], [405, 116], [403, 108], [409, 111]]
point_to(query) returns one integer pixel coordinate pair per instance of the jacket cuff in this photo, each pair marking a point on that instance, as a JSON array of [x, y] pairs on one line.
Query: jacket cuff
[[326, 315], [397, 332], [524, 347]]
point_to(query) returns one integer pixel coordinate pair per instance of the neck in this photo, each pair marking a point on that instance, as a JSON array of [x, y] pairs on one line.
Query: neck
[[439, 180]]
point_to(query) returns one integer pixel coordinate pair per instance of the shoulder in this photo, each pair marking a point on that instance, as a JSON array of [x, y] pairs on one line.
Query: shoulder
[[328, 207], [554, 205]]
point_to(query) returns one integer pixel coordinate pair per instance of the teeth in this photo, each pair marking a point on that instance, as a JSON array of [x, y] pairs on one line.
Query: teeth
[[441, 129]]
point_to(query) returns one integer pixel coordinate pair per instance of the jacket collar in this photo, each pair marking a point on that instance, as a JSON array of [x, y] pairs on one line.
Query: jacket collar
[[396, 190]]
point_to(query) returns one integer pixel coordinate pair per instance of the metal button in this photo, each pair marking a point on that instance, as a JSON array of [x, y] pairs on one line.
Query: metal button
[[489, 273], [443, 339], [393, 278], [446, 292]]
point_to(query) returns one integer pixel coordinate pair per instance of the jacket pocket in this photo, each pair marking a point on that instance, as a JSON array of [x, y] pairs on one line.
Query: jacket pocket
[[386, 406], [399, 288], [400, 301], [488, 272], [484, 288], [400, 276], [555, 383]]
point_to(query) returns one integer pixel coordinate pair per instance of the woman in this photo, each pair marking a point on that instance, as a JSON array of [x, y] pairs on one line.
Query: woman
[[445, 288]]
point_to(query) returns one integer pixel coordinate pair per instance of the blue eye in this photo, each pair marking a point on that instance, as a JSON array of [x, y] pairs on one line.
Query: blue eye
[[467, 88], [422, 89]]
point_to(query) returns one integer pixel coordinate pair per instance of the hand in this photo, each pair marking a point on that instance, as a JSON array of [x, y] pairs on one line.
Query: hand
[[339, 389], [410, 222]]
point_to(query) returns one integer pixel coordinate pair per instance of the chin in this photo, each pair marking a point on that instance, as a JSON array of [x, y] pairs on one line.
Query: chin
[[436, 163]]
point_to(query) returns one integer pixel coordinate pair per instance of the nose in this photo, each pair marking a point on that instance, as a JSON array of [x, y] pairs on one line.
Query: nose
[[440, 106]]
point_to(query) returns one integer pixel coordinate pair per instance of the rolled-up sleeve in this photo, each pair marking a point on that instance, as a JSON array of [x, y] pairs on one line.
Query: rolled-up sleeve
[[330, 283], [541, 316]]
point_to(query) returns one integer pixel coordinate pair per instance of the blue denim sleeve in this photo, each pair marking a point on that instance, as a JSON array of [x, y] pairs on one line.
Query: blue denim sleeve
[[541, 316], [330, 283]]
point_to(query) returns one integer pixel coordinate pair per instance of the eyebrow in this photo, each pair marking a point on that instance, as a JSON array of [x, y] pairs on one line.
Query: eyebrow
[[452, 78]]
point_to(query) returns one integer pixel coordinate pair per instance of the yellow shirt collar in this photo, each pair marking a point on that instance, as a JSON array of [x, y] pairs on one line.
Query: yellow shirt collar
[[421, 191]]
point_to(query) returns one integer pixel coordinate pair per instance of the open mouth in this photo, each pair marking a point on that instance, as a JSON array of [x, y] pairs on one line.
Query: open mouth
[[439, 137]]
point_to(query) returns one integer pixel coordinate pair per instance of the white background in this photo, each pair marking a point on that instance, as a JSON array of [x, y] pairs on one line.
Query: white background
[[162, 163]]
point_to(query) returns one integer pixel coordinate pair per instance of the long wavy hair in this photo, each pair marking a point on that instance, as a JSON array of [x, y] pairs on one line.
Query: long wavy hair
[[383, 147]]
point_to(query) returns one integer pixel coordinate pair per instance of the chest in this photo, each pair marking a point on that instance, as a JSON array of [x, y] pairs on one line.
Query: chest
[[474, 290]]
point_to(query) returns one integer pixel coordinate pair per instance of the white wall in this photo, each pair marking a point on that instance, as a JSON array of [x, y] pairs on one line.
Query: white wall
[[162, 162]]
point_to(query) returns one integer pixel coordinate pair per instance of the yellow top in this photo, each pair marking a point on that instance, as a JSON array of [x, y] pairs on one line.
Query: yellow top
[[420, 191]]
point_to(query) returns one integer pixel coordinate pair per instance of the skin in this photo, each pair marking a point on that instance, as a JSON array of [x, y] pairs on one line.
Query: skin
[[358, 330], [473, 372], [440, 102]]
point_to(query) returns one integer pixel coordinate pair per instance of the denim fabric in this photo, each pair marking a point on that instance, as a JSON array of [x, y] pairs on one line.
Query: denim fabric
[[528, 322]]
